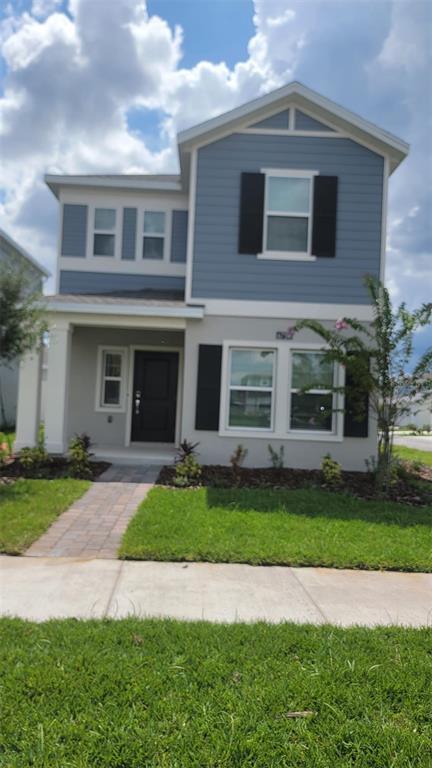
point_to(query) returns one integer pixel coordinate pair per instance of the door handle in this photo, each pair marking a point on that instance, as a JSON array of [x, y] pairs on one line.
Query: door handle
[[137, 401]]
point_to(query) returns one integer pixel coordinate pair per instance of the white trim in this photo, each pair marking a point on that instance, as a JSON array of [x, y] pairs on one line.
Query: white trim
[[100, 378], [336, 433], [129, 394], [288, 132], [132, 310], [281, 309], [191, 225], [114, 232], [384, 213], [281, 400], [225, 428], [288, 173], [150, 183], [291, 118]]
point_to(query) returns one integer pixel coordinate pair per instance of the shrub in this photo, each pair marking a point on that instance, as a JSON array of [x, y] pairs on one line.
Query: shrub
[[276, 457], [79, 455], [186, 449], [237, 459], [32, 459], [4, 453], [187, 472], [331, 471]]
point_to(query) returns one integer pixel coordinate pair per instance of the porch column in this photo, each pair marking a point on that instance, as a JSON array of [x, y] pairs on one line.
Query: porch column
[[28, 403], [57, 387]]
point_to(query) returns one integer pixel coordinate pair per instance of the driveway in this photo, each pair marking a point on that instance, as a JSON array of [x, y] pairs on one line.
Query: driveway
[[422, 443], [40, 588]]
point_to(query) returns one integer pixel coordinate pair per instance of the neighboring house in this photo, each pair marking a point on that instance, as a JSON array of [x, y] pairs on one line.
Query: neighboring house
[[175, 293], [12, 253]]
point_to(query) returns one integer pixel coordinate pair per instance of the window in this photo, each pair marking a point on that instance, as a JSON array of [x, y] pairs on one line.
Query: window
[[251, 377], [111, 387], [287, 212], [312, 410], [104, 232], [154, 235]]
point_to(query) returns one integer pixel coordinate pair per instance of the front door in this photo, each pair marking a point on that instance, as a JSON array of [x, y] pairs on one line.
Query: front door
[[154, 397]]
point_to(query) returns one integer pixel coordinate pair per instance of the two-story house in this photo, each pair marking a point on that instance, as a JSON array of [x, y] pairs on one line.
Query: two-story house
[[174, 293]]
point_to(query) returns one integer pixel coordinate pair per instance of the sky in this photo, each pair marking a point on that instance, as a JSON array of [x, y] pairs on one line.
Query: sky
[[103, 86]]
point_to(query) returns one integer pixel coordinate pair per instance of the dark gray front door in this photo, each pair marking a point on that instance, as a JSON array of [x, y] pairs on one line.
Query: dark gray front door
[[154, 395]]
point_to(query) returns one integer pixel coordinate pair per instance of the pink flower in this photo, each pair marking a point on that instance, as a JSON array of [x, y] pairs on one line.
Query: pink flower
[[341, 324], [290, 332]]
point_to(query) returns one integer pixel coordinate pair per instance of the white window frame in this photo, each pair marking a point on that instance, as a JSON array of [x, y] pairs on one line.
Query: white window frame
[[112, 232], [295, 390], [281, 399], [272, 389], [100, 379], [288, 255], [166, 237]]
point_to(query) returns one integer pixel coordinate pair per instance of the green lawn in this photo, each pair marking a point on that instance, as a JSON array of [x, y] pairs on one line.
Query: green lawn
[[28, 507], [159, 694], [301, 527], [413, 454]]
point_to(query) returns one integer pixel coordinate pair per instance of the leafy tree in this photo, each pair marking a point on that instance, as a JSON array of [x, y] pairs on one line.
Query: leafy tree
[[378, 356], [22, 322]]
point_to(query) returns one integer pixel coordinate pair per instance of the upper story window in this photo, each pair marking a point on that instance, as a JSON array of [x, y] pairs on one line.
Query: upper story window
[[251, 379], [104, 232], [312, 410], [154, 235], [288, 213]]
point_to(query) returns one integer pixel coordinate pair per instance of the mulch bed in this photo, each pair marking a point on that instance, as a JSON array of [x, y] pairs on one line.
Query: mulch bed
[[360, 484], [56, 468]]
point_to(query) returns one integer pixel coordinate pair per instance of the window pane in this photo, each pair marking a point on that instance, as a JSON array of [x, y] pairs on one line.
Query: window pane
[[103, 245], [310, 369], [153, 247], [252, 367], [290, 195], [105, 218], [111, 393], [312, 412], [250, 409], [154, 223], [286, 233], [112, 364]]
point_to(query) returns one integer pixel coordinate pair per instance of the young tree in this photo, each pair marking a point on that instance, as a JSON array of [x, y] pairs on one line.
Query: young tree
[[22, 322], [378, 357]]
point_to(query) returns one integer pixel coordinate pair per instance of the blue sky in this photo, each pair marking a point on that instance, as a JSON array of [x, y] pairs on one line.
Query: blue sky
[[99, 86]]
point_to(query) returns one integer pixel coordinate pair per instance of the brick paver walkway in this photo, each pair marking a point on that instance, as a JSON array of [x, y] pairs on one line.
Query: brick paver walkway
[[93, 525]]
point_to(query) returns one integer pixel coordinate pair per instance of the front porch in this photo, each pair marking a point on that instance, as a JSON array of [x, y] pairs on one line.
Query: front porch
[[115, 373]]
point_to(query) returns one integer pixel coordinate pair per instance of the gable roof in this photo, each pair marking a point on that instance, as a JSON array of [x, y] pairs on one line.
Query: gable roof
[[16, 247], [297, 95]]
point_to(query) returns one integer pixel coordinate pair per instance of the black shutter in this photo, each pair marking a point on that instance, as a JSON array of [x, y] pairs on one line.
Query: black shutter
[[208, 387], [324, 216], [251, 213], [356, 416]]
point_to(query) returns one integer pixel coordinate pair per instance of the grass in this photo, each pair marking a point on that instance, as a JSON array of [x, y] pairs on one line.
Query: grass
[[28, 507], [413, 454], [299, 527], [162, 694]]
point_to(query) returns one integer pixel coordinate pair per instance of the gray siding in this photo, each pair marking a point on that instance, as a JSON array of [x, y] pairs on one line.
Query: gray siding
[[129, 233], [305, 123], [97, 283], [279, 120], [74, 230], [219, 271], [179, 236]]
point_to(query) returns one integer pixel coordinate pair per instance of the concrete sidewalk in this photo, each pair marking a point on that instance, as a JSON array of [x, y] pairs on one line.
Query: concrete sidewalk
[[44, 588]]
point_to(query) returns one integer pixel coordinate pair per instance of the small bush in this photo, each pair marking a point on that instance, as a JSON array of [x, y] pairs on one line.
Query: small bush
[[187, 472], [237, 459], [276, 457], [79, 455], [32, 459], [4, 453], [186, 449], [331, 471]]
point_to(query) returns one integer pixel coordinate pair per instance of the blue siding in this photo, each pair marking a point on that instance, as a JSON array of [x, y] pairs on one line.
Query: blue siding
[[305, 123], [219, 271], [279, 120], [179, 236], [98, 283], [74, 230], [129, 233]]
